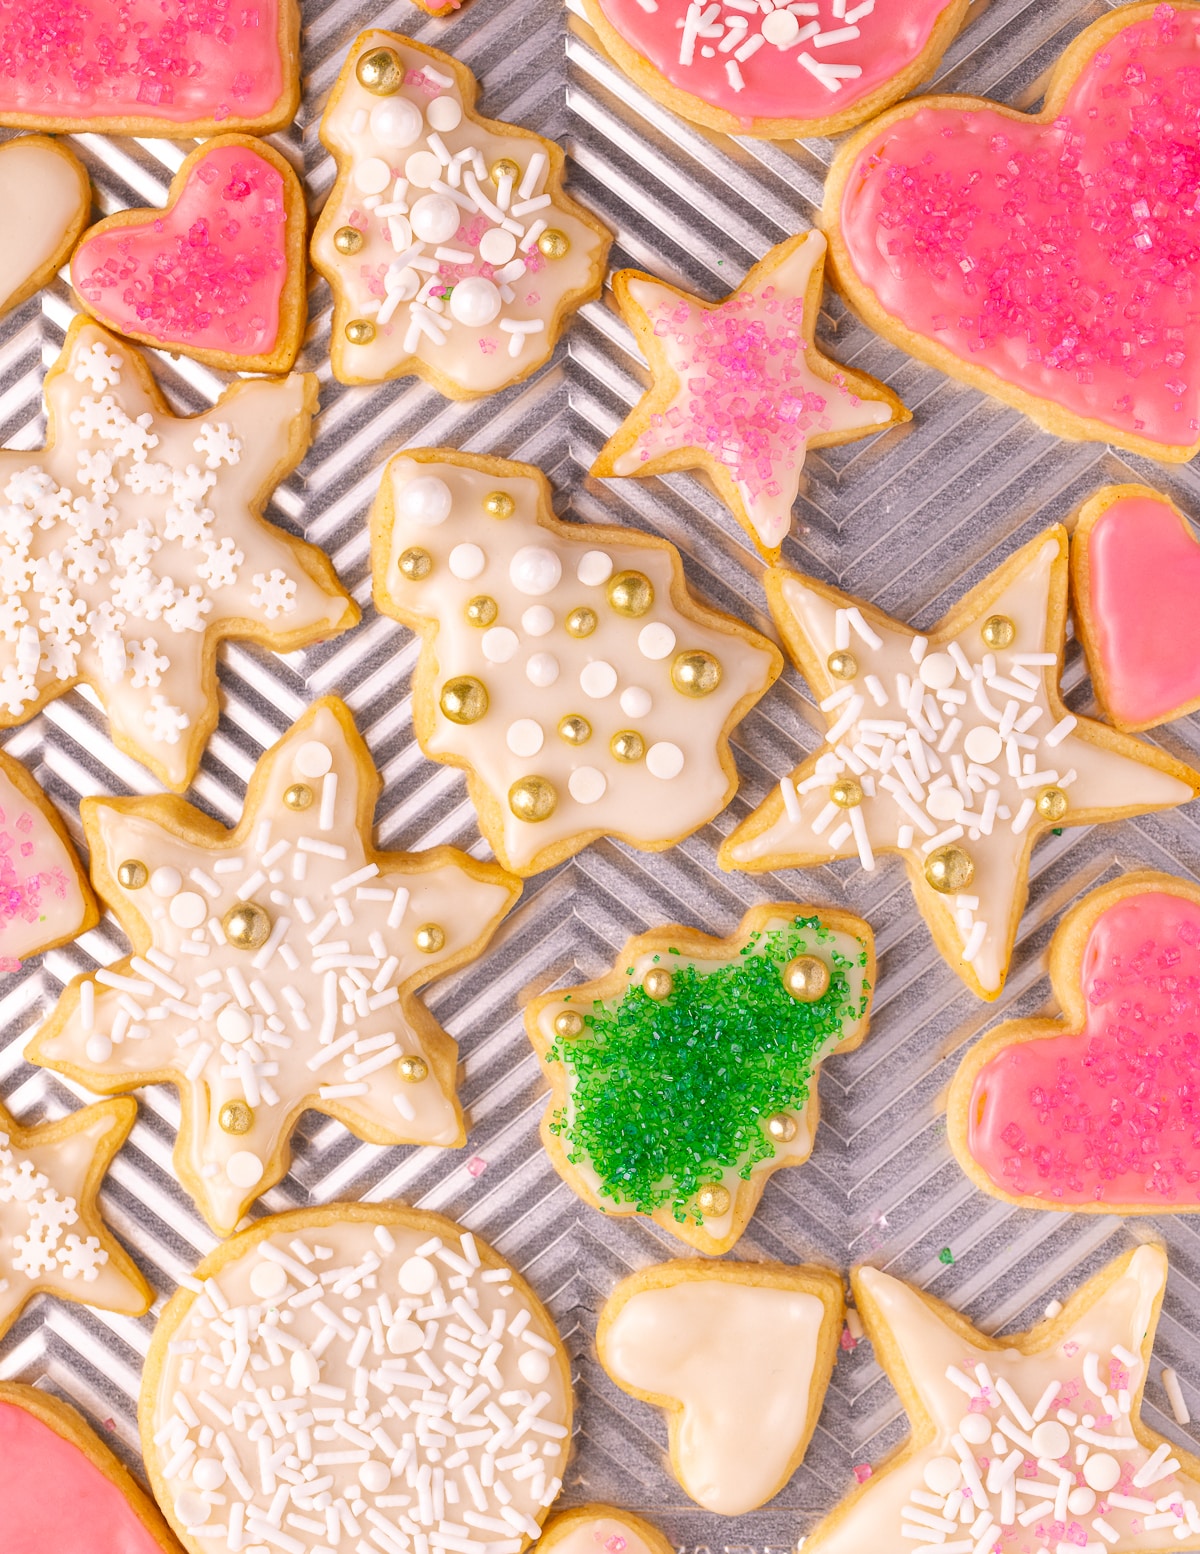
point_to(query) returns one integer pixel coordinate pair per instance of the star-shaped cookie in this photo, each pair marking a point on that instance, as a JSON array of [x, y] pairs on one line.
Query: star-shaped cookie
[[275, 966], [1025, 1443], [52, 1239], [739, 389], [134, 541], [953, 749]]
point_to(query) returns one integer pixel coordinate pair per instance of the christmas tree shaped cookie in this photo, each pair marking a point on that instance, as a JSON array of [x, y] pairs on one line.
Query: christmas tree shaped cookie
[[688, 1074], [44, 895], [452, 251], [565, 667], [276, 966]]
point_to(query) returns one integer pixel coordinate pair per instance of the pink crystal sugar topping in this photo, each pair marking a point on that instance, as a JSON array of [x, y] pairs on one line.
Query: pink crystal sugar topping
[[25, 887]]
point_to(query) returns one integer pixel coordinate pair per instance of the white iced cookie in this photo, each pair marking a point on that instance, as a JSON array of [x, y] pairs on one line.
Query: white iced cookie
[[361, 1377], [45, 196], [740, 1355], [44, 895], [601, 1529], [565, 666], [451, 248], [276, 966]]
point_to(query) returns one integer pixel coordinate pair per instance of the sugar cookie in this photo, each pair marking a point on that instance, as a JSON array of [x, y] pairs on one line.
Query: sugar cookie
[[44, 894], [686, 1075], [953, 749], [590, 1529], [45, 196], [275, 966]]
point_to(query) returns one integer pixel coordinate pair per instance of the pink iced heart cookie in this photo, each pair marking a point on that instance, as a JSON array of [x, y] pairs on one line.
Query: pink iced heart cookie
[[1050, 261], [1097, 1111], [1135, 574], [219, 274]]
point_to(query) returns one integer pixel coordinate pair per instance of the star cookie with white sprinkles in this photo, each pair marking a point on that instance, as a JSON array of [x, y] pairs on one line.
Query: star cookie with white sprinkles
[[1025, 1444], [134, 541], [275, 967], [52, 1240], [739, 389], [953, 749]]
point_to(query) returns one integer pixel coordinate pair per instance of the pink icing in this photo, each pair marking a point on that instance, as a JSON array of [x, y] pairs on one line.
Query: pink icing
[[1061, 257], [24, 886], [54, 1498], [1143, 592], [775, 83], [209, 273], [172, 60], [1110, 1115]]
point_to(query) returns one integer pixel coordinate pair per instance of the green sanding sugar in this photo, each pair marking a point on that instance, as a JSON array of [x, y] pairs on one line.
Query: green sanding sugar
[[667, 1095]]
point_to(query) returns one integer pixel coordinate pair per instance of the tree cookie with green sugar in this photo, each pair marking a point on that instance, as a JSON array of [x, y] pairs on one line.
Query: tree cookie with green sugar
[[687, 1074]]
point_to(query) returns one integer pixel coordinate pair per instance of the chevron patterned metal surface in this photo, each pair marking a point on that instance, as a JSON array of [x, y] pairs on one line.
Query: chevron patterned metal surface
[[909, 520]]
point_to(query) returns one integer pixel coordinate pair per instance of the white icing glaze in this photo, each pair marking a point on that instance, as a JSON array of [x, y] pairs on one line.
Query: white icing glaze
[[739, 1358], [594, 1534], [42, 197], [879, 737], [317, 1368], [41, 898]]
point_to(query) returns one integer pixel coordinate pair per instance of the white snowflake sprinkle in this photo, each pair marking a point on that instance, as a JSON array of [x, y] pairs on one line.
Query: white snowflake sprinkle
[[274, 594]]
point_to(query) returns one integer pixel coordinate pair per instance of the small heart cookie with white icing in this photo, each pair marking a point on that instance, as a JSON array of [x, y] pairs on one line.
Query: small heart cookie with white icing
[[45, 195], [45, 899]]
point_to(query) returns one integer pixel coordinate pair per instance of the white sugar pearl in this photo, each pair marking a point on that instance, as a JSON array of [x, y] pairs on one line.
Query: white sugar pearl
[[233, 1023], [497, 246], [635, 702], [165, 881], [499, 644], [1102, 1472], [664, 760], [595, 567], [434, 218], [372, 175], [475, 302], [937, 671], [1051, 1439], [244, 1168], [305, 1370], [780, 28], [208, 1474], [417, 1276], [541, 669], [525, 737], [943, 1475], [982, 744], [427, 500], [534, 570], [598, 679], [98, 1047], [656, 640], [974, 1428], [405, 1338], [443, 114], [313, 759], [1082, 1500], [191, 1509], [945, 804], [537, 620], [586, 785], [267, 1280], [374, 1476], [466, 562], [422, 169], [407, 283], [187, 909], [533, 1364], [396, 123]]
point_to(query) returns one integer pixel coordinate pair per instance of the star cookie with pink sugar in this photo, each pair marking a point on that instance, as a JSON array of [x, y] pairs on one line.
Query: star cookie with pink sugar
[[52, 1239], [44, 894], [739, 389]]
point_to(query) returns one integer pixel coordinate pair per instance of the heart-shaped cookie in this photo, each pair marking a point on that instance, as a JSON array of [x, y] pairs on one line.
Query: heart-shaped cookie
[[45, 196], [219, 274], [1051, 261], [1135, 577], [1098, 1111]]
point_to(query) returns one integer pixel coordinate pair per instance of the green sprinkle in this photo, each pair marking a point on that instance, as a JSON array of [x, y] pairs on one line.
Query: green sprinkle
[[1056, 831], [946, 1256], [669, 1094]]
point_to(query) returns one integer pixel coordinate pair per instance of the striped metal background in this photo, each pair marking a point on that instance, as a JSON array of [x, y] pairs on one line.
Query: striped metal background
[[909, 520]]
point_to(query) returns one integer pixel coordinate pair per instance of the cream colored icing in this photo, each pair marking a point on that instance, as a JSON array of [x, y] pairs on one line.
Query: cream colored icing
[[646, 809], [315, 1017], [1123, 1317], [398, 1325], [600, 1535], [133, 535], [378, 283], [1094, 776], [41, 899], [739, 1360], [42, 198]]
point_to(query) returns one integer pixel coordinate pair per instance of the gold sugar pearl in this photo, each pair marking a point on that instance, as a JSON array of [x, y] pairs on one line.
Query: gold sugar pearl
[[696, 673], [842, 665], [580, 622], [132, 874], [348, 240], [532, 799], [360, 331], [658, 983], [505, 168], [247, 925], [498, 504], [298, 796], [568, 1024], [411, 1069], [713, 1200], [781, 1127], [235, 1117], [998, 631], [628, 745], [806, 978], [574, 729], [430, 938], [464, 700], [1052, 804], [381, 72], [949, 870], [846, 793], [415, 564], [630, 593], [482, 610], [553, 244]]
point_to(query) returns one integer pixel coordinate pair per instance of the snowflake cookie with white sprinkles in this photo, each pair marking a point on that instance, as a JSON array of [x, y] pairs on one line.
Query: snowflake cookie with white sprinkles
[[451, 248], [952, 748], [1029, 1443], [366, 1378], [52, 1239], [275, 967], [565, 666], [134, 541]]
